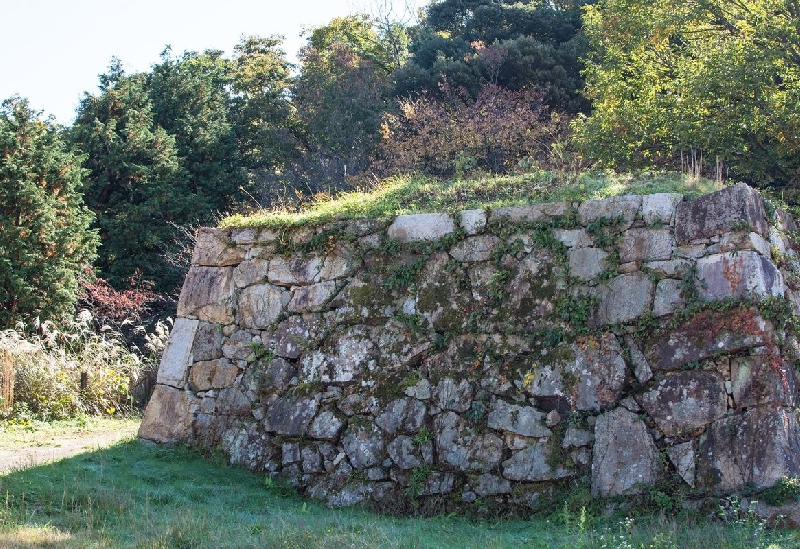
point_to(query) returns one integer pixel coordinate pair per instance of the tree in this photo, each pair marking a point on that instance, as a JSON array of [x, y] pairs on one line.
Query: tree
[[340, 96], [722, 78], [135, 183], [45, 240], [542, 41]]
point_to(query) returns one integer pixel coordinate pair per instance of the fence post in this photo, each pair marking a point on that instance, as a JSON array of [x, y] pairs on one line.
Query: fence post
[[6, 382]]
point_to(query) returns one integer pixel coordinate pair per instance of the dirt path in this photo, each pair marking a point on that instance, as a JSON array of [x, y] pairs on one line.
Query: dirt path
[[21, 448]]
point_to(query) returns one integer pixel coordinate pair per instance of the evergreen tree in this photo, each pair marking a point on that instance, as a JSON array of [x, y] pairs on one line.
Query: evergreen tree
[[45, 240], [135, 185]]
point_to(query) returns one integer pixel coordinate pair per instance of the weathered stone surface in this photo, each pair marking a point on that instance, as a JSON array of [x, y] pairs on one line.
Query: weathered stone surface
[[683, 459], [326, 426], [178, 354], [232, 401], [213, 249], [587, 263], [169, 415], [472, 221], [312, 298], [409, 228], [491, 485], [474, 248], [625, 456], [212, 374], [207, 294], [668, 297], [740, 241], [641, 368], [363, 445], [534, 212], [248, 446], [404, 453], [623, 299], [743, 274], [575, 437], [521, 420], [757, 448], [674, 267], [704, 336], [531, 464], [253, 271], [454, 395], [402, 415], [625, 207], [683, 403], [278, 375], [659, 209], [762, 379], [207, 343], [720, 212], [292, 337], [348, 356], [646, 244], [590, 374], [290, 416], [573, 238], [238, 346], [461, 447], [339, 264], [261, 306], [294, 272]]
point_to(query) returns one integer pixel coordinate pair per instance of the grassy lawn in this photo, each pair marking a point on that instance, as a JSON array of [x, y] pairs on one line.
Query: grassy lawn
[[144, 496]]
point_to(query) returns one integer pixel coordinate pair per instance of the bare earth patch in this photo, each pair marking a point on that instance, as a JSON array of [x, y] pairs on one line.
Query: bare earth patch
[[23, 446]]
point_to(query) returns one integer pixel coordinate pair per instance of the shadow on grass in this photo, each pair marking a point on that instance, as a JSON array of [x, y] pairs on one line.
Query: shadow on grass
[[142, 496]]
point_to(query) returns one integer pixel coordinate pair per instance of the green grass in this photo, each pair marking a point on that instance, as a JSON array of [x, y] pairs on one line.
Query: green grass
[[415, 193], [143, 496]]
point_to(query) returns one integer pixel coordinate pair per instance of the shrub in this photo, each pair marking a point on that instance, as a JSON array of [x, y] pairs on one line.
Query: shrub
[[498, 131], [61, 372]]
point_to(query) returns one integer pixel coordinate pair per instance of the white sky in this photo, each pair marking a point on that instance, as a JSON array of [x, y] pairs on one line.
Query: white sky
[[53, 50]]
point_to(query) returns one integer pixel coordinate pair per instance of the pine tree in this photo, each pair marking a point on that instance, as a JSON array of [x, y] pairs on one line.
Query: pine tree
[[45, 240]]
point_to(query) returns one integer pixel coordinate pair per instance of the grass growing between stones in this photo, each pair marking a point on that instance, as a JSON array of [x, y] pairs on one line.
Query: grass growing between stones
[[416, 193], [141, 496]]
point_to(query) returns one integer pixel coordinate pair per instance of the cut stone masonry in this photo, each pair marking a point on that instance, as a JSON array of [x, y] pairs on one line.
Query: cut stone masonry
[[494, 355]]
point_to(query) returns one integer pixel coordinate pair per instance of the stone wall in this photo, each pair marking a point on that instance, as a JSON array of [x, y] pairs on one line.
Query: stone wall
[[494, 357]]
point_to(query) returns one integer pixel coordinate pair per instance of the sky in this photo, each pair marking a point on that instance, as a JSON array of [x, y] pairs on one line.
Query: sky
[[53, 50]]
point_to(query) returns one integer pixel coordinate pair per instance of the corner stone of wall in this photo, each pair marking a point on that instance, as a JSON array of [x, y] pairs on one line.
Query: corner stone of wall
[[494, 353]]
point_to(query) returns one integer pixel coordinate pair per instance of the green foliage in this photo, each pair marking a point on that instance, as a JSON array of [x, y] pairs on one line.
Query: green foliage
[[45, 241], [508, 43], [674, 82], [785, 490]]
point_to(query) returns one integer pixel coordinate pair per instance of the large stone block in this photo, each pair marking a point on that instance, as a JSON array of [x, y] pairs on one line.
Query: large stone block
[[616, 207], [623, 299], [214, 248], [683, 403], [409, 228], [587, 263], [177, 356], [757, 448], [363, 445], [474, 248], [291, 416], [730, 209], [207, 344], [460, 446], [532, 213], [659, 209], [589, 375], [625, 456], [762, 379], [212, 374], [169, 415], [261, 305], [525, 421], [294, 271], [472, 221], [706, 335], [646, 245], [312, 298], [740, 274], [207, 294], [531, 464]]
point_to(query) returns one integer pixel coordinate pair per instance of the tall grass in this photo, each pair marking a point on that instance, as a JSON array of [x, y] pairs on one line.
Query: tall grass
[[72, 369]]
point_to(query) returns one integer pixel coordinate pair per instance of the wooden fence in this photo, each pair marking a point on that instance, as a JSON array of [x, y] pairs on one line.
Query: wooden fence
[[6, 381]]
